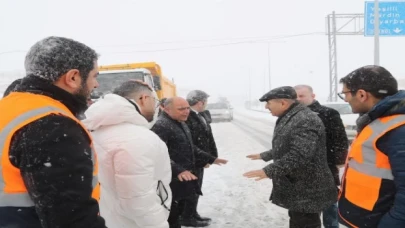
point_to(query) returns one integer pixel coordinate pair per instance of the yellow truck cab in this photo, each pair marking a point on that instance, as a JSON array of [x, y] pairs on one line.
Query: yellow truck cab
[[150, 72]]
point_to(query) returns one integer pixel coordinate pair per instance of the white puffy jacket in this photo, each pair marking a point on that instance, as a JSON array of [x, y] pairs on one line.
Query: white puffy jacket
[[134, 165]]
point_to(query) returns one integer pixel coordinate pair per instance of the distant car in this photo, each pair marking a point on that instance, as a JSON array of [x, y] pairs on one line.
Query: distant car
[[220, 111], [347, 116]]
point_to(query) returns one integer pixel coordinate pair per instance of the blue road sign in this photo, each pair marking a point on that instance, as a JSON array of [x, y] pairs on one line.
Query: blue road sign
[[392, 18]]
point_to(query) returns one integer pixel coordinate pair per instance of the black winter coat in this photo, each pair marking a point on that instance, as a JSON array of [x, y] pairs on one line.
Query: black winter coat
[[336, 139], [207, 116], [183, 154], [302, 181], [62, 192], [202, 133]]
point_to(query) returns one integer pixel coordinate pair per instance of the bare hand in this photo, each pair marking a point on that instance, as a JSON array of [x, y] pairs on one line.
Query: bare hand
[[207, 166], [220, 161], [254, 157], [186, 176], [258, 174]]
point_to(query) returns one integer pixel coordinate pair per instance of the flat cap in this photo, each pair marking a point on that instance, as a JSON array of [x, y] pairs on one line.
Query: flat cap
[[284, 92]]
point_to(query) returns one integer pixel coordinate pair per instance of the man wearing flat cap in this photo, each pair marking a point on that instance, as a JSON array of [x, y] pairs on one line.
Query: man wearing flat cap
[[302, 180]]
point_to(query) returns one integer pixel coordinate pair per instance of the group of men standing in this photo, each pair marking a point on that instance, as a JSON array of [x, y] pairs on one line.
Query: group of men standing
[[52, 161], [309, 142], [55, 154], [309, 145], [186, 130], [56, 150]]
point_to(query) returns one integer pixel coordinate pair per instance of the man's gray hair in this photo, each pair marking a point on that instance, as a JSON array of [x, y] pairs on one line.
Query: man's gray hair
[[168, 102], [53, 57], [194, 96], [131, 87], [304, 87]]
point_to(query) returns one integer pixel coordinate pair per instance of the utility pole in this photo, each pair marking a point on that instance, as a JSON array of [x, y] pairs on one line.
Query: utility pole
[[376, 33], [269, 59]]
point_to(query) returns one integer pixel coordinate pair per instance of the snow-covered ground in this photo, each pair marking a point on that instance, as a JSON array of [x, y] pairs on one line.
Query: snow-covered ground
[[258, 125], [255, 114], [230, 199]]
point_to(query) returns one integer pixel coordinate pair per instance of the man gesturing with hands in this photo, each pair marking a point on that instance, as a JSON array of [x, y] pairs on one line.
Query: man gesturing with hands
[[302, 180]]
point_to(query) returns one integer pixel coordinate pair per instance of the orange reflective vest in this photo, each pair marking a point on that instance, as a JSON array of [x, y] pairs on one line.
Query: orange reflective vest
[[367, 185], [20, 109]]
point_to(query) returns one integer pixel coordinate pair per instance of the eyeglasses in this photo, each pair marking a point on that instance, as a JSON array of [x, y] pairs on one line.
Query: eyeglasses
[[342, 95], [157, 101], [162, 193]]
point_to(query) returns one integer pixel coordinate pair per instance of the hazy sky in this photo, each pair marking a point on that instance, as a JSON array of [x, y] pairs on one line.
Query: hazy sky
[[199, 43]]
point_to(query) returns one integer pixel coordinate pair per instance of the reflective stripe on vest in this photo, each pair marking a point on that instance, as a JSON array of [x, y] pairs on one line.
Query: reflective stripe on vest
[[367, 165], [23, 199]]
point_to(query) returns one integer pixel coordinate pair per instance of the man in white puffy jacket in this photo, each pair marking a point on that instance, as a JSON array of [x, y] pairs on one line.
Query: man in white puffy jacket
[[134, 164]]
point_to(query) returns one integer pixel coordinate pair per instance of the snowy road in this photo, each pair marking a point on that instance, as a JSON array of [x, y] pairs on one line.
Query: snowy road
[[259, 129], [230, 199]]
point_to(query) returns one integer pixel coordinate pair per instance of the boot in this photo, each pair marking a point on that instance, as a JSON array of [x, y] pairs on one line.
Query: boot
[[177, 225], [192, 222], [199, 218]]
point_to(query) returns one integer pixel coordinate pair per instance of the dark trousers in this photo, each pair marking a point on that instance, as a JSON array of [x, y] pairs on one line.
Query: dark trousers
[[330, 217], [304, 220], [175, 211], [191, 204]]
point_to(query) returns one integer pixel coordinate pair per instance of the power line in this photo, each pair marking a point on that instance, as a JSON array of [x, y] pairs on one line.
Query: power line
[[245, 40], [181, 48], [217, 45], [9, 52], [209, 40]]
